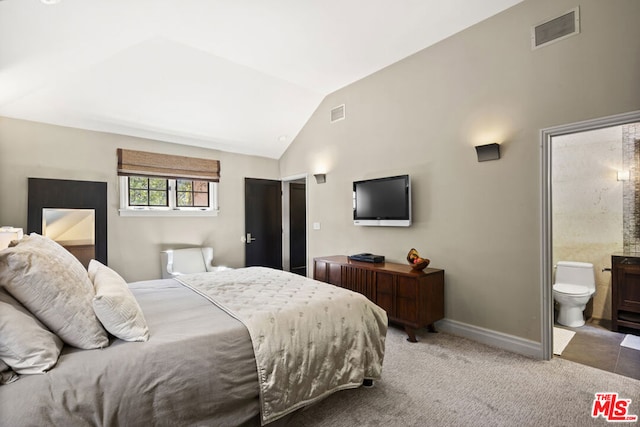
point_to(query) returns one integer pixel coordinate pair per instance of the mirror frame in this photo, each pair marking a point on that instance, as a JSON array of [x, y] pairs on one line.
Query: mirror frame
[[57, 193]]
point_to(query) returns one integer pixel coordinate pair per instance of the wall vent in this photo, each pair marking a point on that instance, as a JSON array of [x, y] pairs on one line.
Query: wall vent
[[337, 113], [555, 29]]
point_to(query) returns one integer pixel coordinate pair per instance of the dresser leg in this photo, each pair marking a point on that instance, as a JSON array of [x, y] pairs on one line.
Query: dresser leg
[[431, 328], [412, 334], [367, 383]]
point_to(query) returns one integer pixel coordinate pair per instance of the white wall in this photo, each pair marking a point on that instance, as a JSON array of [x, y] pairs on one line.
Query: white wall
[[38, 150], [481, 222]]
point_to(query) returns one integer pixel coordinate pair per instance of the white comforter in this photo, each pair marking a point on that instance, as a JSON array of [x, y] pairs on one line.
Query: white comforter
[[310, 338]]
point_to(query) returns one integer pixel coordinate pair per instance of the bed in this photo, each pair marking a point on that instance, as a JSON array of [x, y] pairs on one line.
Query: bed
[[237, 347]]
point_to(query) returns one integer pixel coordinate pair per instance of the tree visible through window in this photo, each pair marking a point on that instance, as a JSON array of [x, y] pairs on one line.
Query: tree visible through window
[[148, 191], [192, 193]]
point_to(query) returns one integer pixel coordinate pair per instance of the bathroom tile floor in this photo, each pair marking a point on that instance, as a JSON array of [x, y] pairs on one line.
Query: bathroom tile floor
[[594, 344]]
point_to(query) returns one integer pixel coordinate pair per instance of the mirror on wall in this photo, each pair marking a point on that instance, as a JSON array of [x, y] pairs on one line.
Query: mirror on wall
[[63, 194], [74, 229]]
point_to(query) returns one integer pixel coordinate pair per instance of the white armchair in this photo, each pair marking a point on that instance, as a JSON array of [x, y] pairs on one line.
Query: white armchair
[[175, 262]]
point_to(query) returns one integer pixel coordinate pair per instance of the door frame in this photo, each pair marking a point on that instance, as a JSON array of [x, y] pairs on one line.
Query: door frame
[[286, 262], [546, 247]]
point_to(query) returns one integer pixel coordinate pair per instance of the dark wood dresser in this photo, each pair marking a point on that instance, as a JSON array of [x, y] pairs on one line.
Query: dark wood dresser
[[413, 299], [625, 291]]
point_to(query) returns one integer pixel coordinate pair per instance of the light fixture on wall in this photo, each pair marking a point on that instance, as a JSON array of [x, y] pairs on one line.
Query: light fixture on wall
[[623, 175], [488, 152], [7, 234], [321, 178]]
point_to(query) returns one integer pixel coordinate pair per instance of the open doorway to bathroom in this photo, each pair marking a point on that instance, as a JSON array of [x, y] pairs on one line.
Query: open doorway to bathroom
[[589, 214]]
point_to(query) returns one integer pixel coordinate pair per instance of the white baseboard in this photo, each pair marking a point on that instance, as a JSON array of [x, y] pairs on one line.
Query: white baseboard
[[493, 338]]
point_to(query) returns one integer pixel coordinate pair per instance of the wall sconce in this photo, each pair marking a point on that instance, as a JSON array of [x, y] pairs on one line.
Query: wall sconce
[[321, 178], [7, 234], [488, 152], [623, 175]]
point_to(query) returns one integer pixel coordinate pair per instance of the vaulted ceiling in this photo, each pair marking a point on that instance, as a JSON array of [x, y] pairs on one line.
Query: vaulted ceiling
[[236, 75]]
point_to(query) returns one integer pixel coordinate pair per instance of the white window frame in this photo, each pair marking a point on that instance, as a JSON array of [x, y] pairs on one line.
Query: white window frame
[[172, 209]]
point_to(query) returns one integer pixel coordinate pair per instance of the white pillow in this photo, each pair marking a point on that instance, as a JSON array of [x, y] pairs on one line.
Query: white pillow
[[115, 305], [26, 346], [92, 268], [54, 286]]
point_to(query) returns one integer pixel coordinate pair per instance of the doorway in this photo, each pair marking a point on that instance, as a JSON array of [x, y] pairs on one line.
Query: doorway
[[547, 258], [297, 227], [276, 217], [294, 224], [590, 222]]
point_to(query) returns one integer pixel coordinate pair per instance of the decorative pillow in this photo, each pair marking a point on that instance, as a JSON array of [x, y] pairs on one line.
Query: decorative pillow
[[115, 305], [25, 344], [54, 286]]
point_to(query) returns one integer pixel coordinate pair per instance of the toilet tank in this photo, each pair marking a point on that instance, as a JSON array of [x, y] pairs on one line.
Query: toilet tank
[[576, 273]]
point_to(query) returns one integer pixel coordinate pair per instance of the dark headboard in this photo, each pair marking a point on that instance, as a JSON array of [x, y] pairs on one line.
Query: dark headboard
[[60, 193]]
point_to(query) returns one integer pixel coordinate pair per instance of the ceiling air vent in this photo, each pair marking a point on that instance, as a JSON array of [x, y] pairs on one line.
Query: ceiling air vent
[[337, 113], [556, 29]]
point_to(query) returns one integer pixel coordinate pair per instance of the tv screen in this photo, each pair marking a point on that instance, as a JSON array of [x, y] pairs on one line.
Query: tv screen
[[382, 201]]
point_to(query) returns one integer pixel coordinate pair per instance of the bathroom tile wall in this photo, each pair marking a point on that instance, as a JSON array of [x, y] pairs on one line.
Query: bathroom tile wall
[[631, 190], [587, 204]]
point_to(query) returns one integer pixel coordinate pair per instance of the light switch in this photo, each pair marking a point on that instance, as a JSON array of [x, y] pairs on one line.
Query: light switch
[[316, 226]]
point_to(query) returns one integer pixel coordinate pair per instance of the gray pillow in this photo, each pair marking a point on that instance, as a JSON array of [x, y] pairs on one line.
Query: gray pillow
[[26, 346], [54, 286], [115, 305]]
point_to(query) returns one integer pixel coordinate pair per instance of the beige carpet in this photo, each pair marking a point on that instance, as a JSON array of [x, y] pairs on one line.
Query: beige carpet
[[443, 380], [561, 338]]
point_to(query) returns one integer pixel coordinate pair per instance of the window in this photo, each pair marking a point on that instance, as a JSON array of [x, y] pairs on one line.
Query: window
[[192, 193], [148, 191], [182, 186], [146, 196]]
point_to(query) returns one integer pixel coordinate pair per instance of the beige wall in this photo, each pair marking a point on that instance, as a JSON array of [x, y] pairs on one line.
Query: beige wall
[[587, 205], [29, 149], [423, 115]]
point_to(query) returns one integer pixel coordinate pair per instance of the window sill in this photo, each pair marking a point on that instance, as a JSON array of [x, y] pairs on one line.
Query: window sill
[[167, 213]]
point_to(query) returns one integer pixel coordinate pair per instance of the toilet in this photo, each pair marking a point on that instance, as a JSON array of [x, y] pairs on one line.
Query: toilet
[[574, 285]]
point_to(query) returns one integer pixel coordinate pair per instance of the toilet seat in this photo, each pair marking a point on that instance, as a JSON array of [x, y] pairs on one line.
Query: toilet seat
[[571, 289]]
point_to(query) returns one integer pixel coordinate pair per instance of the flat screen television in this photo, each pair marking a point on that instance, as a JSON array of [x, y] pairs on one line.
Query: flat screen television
[[382, 201]]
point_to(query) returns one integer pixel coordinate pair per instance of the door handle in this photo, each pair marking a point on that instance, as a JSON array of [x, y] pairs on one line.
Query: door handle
[[249, 238]]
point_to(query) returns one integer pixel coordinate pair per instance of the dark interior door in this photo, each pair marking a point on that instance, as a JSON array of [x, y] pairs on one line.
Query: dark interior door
[[263, 223], [298, 228]]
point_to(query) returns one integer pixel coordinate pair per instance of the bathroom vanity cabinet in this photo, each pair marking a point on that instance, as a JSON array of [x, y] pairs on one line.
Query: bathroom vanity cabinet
[[625, 291], [411, 298]]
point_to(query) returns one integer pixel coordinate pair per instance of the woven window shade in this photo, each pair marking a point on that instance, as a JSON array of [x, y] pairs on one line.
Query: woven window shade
[[142, 163]]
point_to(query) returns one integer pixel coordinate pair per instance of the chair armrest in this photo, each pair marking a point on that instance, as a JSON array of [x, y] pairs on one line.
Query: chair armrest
[[166, 259]]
